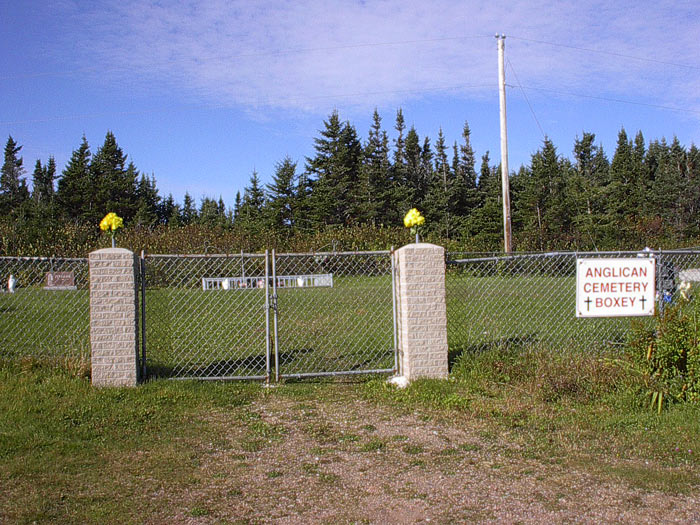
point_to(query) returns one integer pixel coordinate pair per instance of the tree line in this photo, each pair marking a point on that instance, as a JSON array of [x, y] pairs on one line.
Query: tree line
[[647, 193]]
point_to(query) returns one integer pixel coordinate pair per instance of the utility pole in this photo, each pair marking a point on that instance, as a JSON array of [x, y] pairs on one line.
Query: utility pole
[[505, 183]]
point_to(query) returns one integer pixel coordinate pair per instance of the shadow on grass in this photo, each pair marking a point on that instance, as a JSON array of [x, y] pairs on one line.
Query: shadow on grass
[[296, 361], [457, 350], [250, 366]]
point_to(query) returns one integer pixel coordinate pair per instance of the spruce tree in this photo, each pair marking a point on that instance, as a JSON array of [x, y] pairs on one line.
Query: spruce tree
[[402, 194], [147, 213], [417, 186], [76, 192], [13, 187], [169, 212], [189, 212], [463, 197], [376, 177], [692, 208], [485, 224], [114, 181], [281, 194], [209, 213], [544, 198], [251, 212], [236, 206], [436, 205], [334, 173], [37, 182], [671, 184], [588, 190], [302, 205], [622, 207]]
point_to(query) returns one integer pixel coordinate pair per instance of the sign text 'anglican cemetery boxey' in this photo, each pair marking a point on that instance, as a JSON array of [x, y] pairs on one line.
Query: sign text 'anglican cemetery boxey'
[[615, 287]]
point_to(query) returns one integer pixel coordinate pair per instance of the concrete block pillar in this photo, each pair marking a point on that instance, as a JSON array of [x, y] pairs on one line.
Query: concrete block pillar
[[421, 311], [114, 317]]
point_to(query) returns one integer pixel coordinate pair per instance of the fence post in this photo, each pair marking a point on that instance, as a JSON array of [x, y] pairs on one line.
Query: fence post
[[113, 317], [421, 311]]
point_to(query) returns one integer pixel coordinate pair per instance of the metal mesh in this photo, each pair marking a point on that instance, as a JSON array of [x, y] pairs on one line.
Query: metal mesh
[[198, 329], [496, 300], [338, 317], [47, 312]]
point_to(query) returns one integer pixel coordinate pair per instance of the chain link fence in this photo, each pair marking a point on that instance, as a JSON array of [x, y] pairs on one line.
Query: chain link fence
[[44, 307], [495, 300], [206, 316], [334, 313], [292, 315]]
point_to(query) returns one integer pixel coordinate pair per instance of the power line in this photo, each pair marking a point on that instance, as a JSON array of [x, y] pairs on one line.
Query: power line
[[617, 100], [526, 99], [610, 53]]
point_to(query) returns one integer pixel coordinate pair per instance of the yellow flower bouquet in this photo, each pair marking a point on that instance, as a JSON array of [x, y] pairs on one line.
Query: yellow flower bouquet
[[111, 223], [415, 221]]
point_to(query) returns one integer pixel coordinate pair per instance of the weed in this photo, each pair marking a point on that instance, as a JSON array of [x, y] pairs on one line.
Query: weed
[[413, 449], [267, 430], [310, 468], [321, 431], [328, 477], [197, 512], [254, 445], [373, 445]]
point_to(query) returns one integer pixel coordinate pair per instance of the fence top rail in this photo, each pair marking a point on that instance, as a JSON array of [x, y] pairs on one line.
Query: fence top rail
[[41, 259], [204, 255], [636, 253], [325, 254]]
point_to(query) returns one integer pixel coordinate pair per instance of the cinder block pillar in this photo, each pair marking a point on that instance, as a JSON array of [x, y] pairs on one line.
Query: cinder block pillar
[[421, 311], [113, 317]]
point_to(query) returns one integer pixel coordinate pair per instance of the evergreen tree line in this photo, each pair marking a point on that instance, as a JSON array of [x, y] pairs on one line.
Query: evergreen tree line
[[647, 193]]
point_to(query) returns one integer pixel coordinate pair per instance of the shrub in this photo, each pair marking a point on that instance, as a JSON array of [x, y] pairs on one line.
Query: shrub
[[668, 353]]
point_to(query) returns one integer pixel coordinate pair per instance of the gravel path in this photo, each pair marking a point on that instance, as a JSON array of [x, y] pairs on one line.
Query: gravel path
[[346, 460]]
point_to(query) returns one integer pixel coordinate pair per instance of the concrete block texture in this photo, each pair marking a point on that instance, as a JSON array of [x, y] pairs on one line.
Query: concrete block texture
[[421, 311], [114, 317]]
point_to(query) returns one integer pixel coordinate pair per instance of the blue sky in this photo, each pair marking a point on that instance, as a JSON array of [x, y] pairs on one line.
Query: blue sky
[[201, 93]]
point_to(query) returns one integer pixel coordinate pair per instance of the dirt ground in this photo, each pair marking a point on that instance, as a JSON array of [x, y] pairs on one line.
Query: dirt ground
[[346, 460]]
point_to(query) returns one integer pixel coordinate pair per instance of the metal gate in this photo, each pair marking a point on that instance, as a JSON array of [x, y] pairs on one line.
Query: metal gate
[[262, 316]]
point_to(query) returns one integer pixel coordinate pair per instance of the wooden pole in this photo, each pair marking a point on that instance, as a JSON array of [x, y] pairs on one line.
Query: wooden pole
[[505, 183]]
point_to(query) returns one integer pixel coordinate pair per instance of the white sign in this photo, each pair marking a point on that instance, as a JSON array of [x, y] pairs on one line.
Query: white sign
[[615, 287]]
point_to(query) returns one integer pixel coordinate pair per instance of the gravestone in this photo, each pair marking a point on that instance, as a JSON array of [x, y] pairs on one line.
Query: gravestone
[[60, 281]]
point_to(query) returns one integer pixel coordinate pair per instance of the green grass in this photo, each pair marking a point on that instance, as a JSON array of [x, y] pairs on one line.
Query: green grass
[[71, 453], [562, 404]]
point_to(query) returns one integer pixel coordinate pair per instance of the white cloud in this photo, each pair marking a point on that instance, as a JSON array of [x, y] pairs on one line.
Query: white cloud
[[299, 55]]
